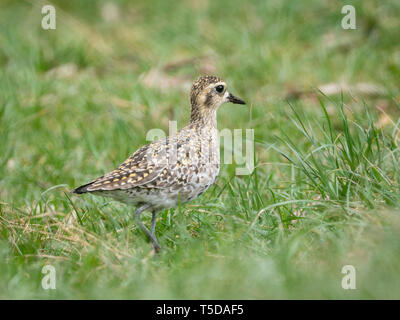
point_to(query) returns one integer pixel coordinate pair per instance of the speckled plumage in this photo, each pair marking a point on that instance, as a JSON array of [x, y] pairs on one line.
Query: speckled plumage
[[176, 169]]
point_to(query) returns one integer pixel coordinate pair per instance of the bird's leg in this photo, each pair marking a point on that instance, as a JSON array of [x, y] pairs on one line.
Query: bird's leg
[[153, 224], [150, 235], [156, 245]]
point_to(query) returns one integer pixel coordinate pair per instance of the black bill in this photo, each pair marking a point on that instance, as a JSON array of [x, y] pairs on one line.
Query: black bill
[[233, 99]]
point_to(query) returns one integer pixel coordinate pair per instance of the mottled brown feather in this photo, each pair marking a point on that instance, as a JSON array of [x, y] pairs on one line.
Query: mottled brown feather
[[174, 164]]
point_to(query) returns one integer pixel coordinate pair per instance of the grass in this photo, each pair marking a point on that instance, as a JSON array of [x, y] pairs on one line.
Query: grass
[[76, 101]]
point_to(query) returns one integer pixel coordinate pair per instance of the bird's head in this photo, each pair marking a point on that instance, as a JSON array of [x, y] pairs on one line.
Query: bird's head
[[207, 94]]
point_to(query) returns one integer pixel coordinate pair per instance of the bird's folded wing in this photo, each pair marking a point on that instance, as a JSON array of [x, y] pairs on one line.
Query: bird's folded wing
[[141, 168]]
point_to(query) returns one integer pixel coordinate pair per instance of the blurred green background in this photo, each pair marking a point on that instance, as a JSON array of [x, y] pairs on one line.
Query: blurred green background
[[323, 101]]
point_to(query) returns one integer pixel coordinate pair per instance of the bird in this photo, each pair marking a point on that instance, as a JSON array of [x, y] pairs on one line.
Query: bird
[[175, 169]]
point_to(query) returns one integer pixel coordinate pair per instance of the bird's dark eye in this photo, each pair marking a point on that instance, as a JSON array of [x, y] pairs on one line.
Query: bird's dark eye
[[219, 88]]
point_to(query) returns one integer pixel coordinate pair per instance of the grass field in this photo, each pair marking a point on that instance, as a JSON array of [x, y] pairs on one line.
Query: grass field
[[324, 104]]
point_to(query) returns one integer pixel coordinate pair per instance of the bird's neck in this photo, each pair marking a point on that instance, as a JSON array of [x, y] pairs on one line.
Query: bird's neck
[[203, 117]]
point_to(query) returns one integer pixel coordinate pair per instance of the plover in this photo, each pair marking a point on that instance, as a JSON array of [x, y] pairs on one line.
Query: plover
[[173, 170]]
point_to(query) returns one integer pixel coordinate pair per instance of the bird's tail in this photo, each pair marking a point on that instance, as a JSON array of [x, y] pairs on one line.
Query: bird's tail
[[82, 189]]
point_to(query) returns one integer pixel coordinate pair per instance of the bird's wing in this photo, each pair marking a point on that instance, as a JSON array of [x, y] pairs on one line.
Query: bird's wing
[[141, 168]]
